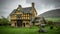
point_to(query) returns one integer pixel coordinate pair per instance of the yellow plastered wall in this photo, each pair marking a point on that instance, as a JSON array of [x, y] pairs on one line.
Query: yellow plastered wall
[[13, 23], [13, 17]]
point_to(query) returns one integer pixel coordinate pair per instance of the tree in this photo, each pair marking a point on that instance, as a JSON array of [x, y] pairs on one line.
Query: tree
[[4, 21]]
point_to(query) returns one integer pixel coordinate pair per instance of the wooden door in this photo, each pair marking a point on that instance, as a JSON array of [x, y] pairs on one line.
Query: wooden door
[[19, 23]]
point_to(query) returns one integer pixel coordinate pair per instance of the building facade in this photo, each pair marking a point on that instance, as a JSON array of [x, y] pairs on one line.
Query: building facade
[[22, 17]]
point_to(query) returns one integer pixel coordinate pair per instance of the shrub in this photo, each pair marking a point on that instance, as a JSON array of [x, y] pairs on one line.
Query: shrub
[[4, 21], [50, 23], [58, 30]]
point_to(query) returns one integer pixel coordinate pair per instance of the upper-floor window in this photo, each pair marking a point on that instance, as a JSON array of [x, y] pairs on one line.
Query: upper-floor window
[[28, 14]]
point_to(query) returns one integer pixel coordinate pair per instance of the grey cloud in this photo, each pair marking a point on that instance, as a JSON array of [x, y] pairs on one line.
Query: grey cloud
[[6, 6], [45, 4], [56, 3]]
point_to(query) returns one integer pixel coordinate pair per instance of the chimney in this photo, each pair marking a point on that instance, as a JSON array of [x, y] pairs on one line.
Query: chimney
[[32, 4], [19, 6]]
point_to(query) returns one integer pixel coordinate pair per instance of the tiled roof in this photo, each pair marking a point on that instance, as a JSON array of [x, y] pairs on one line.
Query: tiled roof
[[25, 10], [36, 19]]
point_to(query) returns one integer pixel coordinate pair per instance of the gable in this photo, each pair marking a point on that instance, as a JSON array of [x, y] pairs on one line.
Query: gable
[[18, 12]]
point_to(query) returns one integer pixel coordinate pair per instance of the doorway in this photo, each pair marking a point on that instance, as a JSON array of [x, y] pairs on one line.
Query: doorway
[[19, 23]]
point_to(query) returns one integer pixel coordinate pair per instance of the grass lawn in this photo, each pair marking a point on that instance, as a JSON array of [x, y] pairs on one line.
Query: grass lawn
[[53, 19], [33, 30]]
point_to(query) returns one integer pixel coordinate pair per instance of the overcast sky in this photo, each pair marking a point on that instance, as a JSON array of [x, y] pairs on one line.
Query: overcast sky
[[7, 6]]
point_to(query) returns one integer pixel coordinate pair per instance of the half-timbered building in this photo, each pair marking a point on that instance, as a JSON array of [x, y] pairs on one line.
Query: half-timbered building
[[22, 17]]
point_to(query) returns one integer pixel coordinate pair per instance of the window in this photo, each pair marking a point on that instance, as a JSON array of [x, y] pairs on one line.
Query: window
[[24, 17], [28, 14], [13, 16], [28, 17]]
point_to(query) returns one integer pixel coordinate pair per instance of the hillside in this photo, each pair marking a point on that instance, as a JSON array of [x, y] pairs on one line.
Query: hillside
[[51, 13]]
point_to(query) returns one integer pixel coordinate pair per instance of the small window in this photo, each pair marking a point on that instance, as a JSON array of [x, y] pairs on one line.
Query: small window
[[24, 15], [28, 17]]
